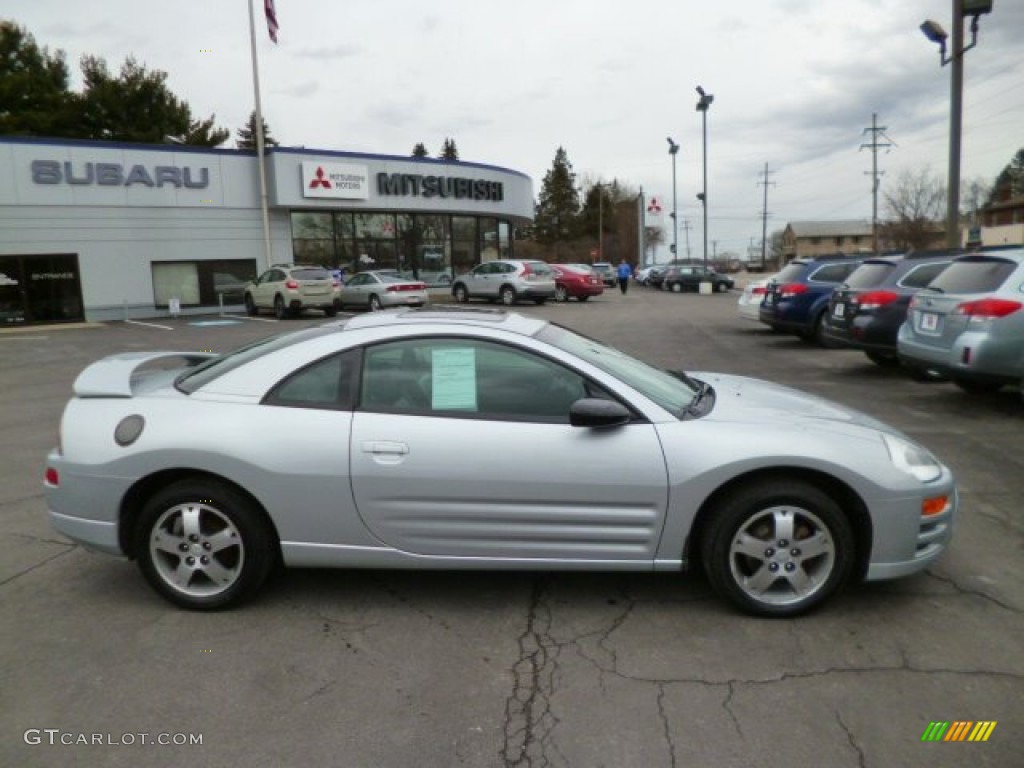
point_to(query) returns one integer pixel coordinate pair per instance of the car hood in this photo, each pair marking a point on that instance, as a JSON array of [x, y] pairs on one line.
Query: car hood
[[754, 401]]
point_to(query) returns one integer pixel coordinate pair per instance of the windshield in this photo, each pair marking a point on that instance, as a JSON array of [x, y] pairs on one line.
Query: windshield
[[672, 392], [203, 374]]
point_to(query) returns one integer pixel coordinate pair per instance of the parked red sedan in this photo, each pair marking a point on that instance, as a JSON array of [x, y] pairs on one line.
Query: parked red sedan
[[576, 281]]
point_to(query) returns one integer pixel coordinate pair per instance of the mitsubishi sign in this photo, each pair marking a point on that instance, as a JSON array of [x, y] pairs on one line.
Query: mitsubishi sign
[[336, 181]]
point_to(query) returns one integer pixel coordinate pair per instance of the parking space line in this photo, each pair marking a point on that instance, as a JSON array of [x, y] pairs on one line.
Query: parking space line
[[150, 325], [246, 317]]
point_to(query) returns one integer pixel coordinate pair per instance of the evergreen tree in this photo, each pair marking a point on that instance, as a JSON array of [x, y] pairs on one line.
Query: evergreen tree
[[247, 134], [33, 87], [138, 106], [449, 151], [1009, 183], [419, 150], [556, 213]]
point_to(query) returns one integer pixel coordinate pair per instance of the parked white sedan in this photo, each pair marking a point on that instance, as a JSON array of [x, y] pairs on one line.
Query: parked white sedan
[[482, 439], [749, 302]]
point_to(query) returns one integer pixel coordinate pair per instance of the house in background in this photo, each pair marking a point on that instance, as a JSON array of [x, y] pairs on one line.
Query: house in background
[[821, 238], [1001, 222]]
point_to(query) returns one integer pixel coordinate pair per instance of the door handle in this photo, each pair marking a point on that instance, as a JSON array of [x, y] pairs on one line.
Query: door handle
[[379, 447]]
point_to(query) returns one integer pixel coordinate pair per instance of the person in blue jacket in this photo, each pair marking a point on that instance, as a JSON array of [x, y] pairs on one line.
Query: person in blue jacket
[[624, 272]]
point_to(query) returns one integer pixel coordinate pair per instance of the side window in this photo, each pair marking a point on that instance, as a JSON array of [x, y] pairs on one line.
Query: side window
[[469, 378], [832, 273], [920, 276], [327, 383]]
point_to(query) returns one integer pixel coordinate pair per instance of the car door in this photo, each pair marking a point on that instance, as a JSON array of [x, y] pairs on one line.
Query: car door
[[356, 292], [461, 447], [263, 291], [484, 280]]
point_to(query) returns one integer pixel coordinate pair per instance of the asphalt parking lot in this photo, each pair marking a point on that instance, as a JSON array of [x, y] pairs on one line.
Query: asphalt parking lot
[[363, 668]]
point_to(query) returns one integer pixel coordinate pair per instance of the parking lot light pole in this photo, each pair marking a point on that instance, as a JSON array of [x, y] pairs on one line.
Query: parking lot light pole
[[673, 150], [702, 107], [934, 32]]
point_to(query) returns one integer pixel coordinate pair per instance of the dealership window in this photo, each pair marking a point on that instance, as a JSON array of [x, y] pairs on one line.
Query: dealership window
[[201, 283], [40, 289]]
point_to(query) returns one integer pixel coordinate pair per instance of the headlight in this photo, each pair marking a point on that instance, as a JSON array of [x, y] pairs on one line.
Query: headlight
[[912, 459]]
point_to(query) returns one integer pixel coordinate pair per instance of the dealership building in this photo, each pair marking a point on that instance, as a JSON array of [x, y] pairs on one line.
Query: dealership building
[[105, 231]]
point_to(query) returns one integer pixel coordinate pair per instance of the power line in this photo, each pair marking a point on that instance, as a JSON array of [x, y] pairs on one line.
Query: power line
[[764, 212], [874, 145]]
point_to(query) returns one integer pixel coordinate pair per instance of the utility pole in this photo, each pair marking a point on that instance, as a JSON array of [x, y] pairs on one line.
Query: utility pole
[[686, 232], [874, 145], [764, 213]]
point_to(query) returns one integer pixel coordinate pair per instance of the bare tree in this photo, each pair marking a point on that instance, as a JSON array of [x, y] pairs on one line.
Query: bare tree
[[914, 206]]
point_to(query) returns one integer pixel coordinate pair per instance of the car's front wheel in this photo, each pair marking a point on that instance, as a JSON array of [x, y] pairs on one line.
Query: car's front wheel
[[280, 311], [203, 545], [250, 306], [676, 288], [561, 293], [375, 305], [460, 293], [778, 548], [507, 296]]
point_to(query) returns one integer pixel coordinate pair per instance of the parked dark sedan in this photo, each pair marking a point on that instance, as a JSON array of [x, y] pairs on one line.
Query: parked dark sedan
[[866, 311], [689, 277]]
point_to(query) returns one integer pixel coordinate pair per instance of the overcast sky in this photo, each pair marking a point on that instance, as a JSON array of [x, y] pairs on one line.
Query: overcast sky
[[795, 84]]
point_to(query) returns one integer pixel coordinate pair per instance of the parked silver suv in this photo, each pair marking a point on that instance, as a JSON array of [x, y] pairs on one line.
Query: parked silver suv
[[968, 323], [290, 288], [506, 281]]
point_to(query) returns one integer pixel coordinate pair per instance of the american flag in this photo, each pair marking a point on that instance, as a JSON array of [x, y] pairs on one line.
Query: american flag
[[268, 6]]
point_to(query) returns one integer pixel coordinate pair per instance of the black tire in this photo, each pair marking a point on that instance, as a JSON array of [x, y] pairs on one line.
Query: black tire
[[752, 551], [460, 293], [250, 306], [280, 311], [375, 305], [582, 298], [676, 287], [224, 561], [561, 293], [882, 359], [818, 335], [331, 311], [925, 375], [540, 302], [507, 295], [978, 387]]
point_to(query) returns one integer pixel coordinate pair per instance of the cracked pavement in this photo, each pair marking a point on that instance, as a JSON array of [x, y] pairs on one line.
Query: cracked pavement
[[389, 668]]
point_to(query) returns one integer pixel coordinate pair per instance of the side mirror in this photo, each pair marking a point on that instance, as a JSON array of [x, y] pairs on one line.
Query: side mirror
[[598, 413]]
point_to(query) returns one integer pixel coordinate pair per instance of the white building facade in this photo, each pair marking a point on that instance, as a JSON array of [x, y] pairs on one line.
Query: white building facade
[[100, 231]]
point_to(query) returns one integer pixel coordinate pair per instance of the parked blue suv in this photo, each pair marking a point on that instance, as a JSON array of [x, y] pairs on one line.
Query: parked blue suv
[[797, 299]]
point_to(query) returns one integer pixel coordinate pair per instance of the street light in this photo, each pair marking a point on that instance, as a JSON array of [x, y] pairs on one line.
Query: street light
[[934, 32], [673, 149], [702, 107]]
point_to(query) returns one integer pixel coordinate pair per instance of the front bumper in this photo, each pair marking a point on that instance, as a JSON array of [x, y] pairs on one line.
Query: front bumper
[[904, 540]]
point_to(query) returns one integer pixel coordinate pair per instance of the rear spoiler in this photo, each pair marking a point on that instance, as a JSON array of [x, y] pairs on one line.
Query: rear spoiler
[[112, 376]]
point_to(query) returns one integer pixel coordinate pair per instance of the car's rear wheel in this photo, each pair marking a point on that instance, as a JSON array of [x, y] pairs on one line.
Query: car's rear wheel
[[561, 293], [460, 293], [883, 359], [778, 548], [507, 296], [250, 306], [819, 335], [280, 311], [676, 287], [203, 545], [331, 311], [375, 305]]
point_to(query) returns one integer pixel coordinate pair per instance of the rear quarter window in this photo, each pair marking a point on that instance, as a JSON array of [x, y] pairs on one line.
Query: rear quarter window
[[921, 275], [870, 274], [832, 273], [974, 275]]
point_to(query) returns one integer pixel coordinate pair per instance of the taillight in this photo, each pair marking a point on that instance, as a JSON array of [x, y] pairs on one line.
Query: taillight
[[292, 285], [758, 291], [406, 287], [876, 299], [334, 283], [526, 270], [51, 477], [984, 309], [792, 289]]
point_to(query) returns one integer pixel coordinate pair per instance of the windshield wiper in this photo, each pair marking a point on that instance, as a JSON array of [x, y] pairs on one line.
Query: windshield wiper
[[694, 409]]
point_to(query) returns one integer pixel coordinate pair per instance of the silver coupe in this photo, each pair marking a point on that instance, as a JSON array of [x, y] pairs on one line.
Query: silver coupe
[[440, 438]]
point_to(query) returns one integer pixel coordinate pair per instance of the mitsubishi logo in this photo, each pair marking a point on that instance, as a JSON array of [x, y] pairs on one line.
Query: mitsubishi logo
[[320, 180], [654, 206]]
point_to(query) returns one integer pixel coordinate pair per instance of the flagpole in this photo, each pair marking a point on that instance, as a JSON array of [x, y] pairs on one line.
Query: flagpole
[[259, 141]]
